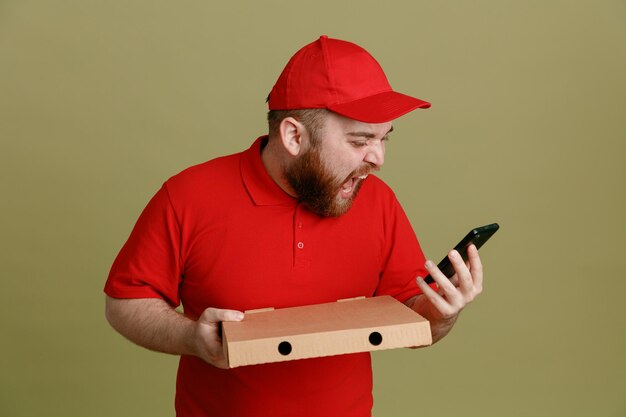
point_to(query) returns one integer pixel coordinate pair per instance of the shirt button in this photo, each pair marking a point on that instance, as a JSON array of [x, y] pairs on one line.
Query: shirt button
[[299, 225], [300, 245]]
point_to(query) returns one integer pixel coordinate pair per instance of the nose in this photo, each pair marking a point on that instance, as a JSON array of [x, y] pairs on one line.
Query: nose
[[375, 154]]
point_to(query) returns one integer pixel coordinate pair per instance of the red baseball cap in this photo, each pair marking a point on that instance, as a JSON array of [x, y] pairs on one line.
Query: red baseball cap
[[341, 77]]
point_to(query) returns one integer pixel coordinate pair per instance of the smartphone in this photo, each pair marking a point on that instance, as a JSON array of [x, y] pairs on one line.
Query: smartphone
[[477, 236]]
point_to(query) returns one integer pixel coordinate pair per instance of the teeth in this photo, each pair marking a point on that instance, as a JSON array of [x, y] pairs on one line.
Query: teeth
[[362, 177]]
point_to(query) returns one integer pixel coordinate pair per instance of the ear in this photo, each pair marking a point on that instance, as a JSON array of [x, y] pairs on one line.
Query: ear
[[291, 135]]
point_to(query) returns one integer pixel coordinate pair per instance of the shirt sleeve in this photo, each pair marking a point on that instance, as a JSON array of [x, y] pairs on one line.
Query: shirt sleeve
[[403, 256], [148, 265]]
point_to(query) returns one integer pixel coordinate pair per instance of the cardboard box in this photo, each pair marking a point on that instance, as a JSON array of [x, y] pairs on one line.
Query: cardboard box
[[346, 326]]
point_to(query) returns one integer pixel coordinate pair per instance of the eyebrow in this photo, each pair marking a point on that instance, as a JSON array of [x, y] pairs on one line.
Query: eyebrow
[[367, 135]]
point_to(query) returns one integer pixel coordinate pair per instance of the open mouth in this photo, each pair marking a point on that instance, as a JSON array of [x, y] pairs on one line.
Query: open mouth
[[349, 186]]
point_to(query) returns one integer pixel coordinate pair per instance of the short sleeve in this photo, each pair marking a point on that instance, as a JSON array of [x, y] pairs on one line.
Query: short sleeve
[[149, 265], [403, 256]]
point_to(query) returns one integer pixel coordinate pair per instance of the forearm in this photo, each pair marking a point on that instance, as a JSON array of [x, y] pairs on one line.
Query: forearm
[[439, 326], [440, 329], [153, 324]]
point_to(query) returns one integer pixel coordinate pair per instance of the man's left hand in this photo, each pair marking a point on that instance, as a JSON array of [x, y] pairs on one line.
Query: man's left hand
[[441, 308]]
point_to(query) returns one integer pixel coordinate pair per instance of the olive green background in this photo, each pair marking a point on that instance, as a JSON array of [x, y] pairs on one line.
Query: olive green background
[[102, 101]]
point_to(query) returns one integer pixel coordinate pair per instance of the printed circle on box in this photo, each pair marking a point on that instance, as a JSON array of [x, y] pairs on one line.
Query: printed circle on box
[[376, 338], [284, 348]]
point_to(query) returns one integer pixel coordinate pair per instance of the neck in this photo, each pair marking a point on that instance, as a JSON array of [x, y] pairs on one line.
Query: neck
[[274, 161]]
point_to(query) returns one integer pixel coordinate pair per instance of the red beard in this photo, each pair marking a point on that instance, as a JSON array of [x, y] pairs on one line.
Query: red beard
[[317, 189]]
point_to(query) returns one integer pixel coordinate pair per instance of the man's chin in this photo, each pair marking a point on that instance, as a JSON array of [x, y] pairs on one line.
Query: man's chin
[[341, 209], [342, 204], [338, 207]]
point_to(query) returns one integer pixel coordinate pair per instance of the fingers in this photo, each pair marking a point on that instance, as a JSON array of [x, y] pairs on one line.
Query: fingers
[[455, 293], [476, 267], [463, 274], [444, 309], [444, 284]]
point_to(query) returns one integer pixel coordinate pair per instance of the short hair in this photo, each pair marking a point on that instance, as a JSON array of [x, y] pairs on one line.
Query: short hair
[[312, 119]]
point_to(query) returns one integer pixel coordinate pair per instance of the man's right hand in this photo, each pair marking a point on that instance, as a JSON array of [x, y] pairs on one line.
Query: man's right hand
[[154, 324], [208, 343]]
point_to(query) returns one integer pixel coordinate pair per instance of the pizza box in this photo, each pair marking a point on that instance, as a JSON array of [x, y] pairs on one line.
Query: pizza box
[[346, 326]]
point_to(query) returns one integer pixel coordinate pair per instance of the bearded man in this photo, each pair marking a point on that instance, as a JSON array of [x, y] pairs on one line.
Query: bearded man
[[297, 219]]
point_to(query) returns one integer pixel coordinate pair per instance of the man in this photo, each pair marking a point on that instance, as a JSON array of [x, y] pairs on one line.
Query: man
[[297, 219]]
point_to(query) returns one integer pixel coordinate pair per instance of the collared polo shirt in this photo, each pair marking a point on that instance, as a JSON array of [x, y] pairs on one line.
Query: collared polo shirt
[[223, 234]]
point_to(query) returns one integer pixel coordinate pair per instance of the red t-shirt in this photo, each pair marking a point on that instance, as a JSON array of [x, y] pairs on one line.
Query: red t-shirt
[[223, 234]]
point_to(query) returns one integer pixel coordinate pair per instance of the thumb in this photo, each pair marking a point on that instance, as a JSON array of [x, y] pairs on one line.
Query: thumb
[[216, 315]]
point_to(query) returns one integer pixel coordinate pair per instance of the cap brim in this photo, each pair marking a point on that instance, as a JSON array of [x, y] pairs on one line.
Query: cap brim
[[379, 108]]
